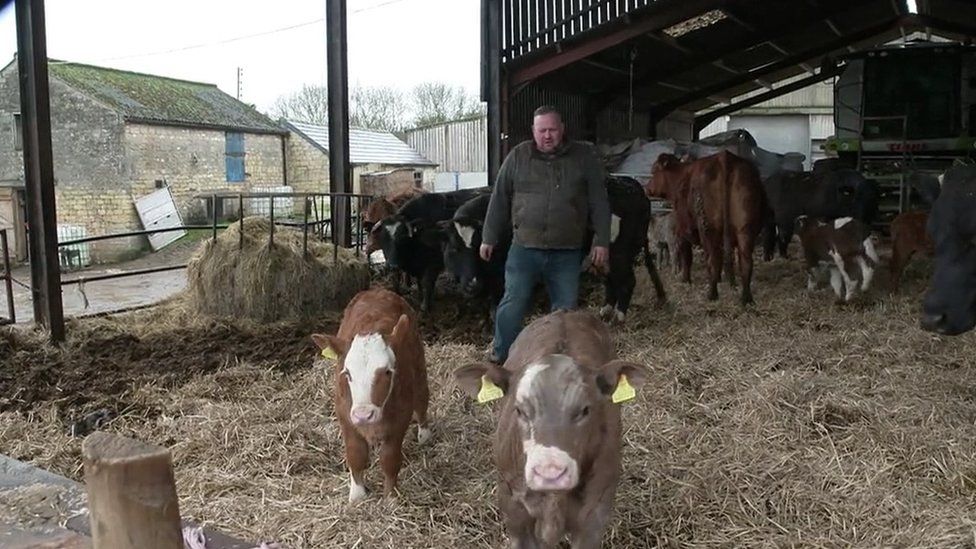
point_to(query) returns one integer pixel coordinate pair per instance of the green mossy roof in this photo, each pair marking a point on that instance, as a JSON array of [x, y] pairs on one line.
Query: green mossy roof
[[150, 98]]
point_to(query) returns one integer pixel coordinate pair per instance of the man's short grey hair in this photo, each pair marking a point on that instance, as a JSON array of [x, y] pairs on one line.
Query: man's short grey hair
[[547, 109]]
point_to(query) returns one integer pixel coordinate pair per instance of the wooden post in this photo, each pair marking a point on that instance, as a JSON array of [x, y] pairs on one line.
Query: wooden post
[[131, 494]]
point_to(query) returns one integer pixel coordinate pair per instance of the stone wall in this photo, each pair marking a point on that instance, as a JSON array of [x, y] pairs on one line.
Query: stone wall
[[191, 161]]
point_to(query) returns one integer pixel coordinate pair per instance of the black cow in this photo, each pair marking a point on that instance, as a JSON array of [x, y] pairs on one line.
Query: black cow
[[411, 239], [631, 217], [949, 306], [462, 241], [830, 194]]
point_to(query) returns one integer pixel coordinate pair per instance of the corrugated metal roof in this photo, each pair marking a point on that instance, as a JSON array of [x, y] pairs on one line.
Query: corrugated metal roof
[[365, 146], [157, 99]]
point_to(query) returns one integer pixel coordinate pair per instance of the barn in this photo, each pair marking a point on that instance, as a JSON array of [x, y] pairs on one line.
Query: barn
[[374, 155], [798, 421], [120, 136]]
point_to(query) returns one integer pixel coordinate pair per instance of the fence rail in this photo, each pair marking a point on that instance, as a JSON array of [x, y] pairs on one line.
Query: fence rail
[[315, 218]]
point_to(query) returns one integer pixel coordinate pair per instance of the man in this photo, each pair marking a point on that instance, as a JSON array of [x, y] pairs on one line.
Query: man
[[547, 194]]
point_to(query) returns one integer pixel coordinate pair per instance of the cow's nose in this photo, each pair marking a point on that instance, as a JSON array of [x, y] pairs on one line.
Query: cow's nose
[[550, 471], [933, 322], [363, 414]]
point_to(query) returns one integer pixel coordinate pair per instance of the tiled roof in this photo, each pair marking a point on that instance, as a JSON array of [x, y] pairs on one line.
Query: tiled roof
[[365, 146], [158, 99]]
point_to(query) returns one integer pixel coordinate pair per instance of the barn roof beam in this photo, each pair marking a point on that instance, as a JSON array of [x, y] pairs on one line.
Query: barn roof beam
[[709, 117], [921, 22], [662, 14], [785, 63], [659, 36], [711, 57], [605, 67]]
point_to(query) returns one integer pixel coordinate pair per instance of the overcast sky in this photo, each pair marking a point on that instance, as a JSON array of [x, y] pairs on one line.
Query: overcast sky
[[391, 42]]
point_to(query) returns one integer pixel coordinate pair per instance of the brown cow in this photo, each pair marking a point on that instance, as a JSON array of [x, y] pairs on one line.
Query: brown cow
[[380, 382], [718, 200], [557, 444], [380, 208], [908, 235], [838, 244]]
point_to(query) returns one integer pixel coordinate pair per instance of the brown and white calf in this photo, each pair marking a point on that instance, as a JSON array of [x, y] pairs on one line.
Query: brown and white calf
[[557, 444], [842, 245], [380, 383]]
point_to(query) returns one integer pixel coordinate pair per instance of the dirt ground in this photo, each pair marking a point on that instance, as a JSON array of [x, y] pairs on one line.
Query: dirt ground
[[794, 423]]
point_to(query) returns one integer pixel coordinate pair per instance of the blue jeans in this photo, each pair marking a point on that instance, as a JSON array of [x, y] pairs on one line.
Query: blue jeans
[[559, 269]]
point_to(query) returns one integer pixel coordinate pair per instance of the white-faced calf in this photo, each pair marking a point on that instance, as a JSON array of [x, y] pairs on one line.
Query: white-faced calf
[[844, 247], [557, 444], [380, 383]]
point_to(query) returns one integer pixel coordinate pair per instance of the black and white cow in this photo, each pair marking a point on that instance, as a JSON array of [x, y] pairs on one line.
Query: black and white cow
[[841, 245], [827, 194], [949, 306], [630, 220], [462, 240], [411, 239]]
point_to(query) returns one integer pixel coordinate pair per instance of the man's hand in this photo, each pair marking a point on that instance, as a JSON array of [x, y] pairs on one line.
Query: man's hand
[[485, 251], [600, 256]]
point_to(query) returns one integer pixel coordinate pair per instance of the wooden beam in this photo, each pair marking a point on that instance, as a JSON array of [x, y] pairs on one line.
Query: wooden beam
[[725, 67], [605, 67], [921, 22], [674, 86], [35, 107], [131, 494], [662, 14], [705, 58], [833, 27], [709, 117], [659, 36], [785, 63], [739, 20]]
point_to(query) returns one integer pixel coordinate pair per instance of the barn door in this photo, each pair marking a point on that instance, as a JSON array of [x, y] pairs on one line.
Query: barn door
[[158, 211]]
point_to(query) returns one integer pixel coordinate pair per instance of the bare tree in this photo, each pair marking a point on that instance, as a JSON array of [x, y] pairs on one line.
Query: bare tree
[[377, 108], [436, 102], [309, 104]]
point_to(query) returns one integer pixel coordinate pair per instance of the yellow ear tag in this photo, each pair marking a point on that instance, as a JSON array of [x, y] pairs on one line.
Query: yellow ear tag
[[489, 391], [329, 353], [624, 391]]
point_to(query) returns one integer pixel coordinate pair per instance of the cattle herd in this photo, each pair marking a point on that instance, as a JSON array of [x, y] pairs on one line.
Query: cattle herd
[[558, 437]]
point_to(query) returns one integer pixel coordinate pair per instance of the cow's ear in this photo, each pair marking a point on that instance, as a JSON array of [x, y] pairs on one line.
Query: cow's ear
[[401, 328], [331, 346], [619, 378], [483, 381]]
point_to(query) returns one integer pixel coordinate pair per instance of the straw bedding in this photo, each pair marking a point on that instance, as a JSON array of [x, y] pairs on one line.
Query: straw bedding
[[267, 281], [798, 423]]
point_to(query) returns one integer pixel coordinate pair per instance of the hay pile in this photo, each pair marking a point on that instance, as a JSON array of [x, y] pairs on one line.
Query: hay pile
[[798, 423], [267, 283]]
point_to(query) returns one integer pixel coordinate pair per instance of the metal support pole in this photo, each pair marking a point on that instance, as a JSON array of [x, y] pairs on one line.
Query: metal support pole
[[340, 176], [305, 231], [213, 214], [271, 241], [35, 111], [11, 309], [492, 34], [240, 212]]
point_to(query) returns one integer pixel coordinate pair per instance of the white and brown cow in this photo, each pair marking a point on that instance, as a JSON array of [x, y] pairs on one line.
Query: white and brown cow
[[557, 444], [842, 245], [380, 382]]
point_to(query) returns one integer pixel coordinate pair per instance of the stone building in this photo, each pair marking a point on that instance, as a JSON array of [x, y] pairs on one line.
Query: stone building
[[119, 136], [375, 156]]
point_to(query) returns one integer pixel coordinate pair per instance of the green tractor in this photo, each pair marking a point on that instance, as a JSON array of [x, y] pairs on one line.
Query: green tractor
[[903, 109]]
